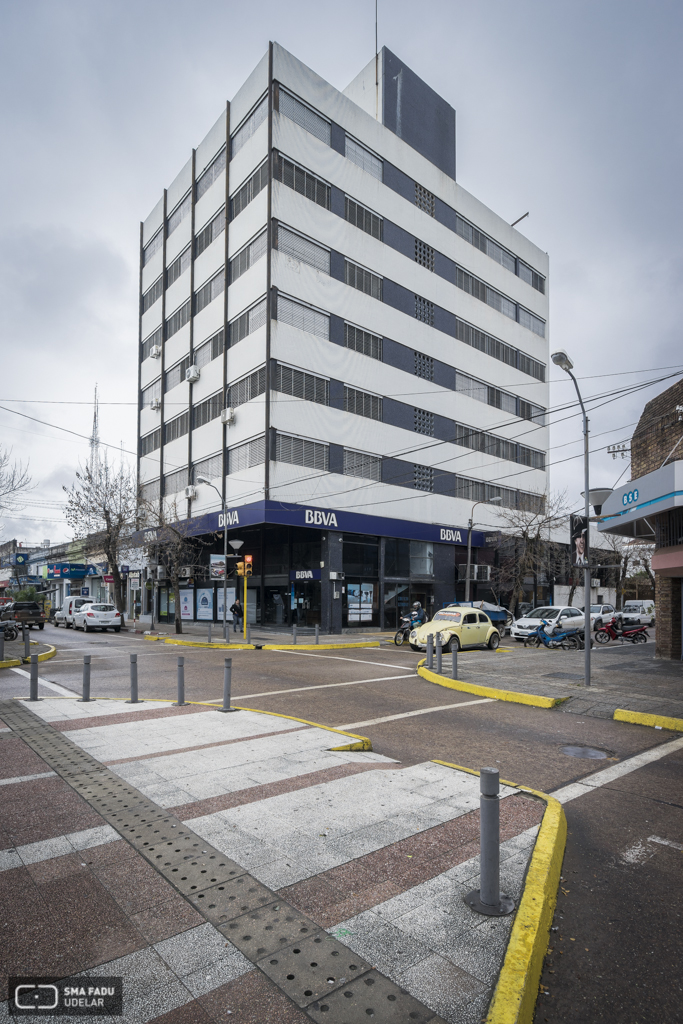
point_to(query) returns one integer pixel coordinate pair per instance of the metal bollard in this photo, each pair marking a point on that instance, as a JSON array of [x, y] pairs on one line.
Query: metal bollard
[[294, 633], [85, 699], [248, 632], [488, 898], [430, 651], [439, 650], [2, 643], [454, 658], [209, 640], [227, 686], [317, 633], [133, 680], [181, 684], [33, 694], [24, 636]]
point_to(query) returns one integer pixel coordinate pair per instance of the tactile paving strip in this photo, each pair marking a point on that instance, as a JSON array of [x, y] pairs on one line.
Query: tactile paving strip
[[320, 974]]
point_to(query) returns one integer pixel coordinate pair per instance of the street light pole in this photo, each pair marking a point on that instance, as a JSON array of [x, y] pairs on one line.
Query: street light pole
[[469, 542]]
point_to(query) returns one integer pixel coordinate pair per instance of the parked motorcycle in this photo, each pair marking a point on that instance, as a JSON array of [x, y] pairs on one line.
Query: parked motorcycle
[[403, 632], [567, 639], [10, 630], [611, 631]]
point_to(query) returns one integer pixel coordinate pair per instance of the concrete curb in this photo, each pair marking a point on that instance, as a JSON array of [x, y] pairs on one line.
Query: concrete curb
[[640, 718], [359, 742], [16, 662], [533, 699], [209, 646], [514, 998], [318, 647]]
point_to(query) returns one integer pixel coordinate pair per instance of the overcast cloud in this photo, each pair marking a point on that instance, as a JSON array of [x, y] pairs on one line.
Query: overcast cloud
[[569, 110]]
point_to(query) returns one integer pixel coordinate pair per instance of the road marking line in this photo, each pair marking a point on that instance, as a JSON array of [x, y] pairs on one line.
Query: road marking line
[[45, 682], [322, 686], [603, 778], [49, 775], [337, 657], [410, 714], [664, 842]]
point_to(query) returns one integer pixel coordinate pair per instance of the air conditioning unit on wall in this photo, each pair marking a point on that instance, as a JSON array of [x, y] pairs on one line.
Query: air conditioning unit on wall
[[155, 404], [478, 573], [190, 492], [155, 351], [192, 374], [227, 416]]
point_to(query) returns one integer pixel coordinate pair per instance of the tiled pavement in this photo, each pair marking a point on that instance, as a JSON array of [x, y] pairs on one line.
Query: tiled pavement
[[342, 854]]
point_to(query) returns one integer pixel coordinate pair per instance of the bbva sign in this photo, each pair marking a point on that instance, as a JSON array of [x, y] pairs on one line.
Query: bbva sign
[[314, 517], [232, 517], [454, 536]]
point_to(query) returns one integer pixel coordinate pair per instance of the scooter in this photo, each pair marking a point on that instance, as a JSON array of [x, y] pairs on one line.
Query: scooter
[[634, 635], [567, 639], [403, 632]]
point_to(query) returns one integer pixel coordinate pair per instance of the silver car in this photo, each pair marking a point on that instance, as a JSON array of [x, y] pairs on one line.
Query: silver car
[[98, 616]]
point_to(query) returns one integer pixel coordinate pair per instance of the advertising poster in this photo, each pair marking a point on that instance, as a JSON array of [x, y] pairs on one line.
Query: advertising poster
[[219, 603], [353, 601], [366, 593], [205, 604], [216, 567], [579, 537], [186, 604]]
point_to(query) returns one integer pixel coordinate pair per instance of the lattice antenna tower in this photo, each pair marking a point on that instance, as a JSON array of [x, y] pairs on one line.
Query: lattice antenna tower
[[94, 461]]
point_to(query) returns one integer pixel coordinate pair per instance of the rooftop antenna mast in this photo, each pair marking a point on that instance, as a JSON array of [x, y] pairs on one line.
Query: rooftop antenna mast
[[376, 69], [95, 438]]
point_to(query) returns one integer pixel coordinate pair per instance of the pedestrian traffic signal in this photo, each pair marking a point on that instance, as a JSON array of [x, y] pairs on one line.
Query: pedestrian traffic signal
[[248, 565]]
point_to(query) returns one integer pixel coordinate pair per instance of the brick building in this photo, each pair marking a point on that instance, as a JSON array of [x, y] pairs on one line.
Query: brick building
[[650, 507]]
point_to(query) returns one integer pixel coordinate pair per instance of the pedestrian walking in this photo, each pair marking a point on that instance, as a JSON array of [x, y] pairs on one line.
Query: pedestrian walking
[[237, 616]]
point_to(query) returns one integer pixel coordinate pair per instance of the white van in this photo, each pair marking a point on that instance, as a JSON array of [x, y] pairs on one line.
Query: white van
[[638, 613], [65, 615]]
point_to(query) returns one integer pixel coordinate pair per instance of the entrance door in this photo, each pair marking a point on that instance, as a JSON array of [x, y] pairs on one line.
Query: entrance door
[[305, 602], [469, 631]]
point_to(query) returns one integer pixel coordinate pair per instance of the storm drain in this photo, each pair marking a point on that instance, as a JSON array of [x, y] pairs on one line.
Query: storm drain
[[587, 752]]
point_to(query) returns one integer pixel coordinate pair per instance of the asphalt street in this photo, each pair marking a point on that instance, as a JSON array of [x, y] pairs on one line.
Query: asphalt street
[[619, 941]]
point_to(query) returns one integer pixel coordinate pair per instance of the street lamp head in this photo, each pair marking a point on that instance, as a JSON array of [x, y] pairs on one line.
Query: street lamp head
[[561, 359], [492, 501], [235, 544], [202, 480]]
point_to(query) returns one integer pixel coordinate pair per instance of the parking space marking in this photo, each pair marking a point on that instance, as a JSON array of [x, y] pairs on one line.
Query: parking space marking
[[359, 661], [617, 771], [411, 714], [322, 686], [664, 842], [45, 682]]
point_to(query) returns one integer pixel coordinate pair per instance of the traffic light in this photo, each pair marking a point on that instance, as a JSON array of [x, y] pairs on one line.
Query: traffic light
[[240, 569], [248, 565]]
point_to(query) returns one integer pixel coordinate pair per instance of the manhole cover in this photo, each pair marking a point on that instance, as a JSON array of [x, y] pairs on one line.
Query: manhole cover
[[588, 752]]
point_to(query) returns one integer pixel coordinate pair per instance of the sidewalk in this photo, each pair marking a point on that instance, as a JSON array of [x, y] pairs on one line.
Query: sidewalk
[[198, 856]]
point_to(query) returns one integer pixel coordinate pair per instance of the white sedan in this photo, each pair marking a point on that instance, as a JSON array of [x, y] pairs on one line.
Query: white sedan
[[558, 615], [98, 616]]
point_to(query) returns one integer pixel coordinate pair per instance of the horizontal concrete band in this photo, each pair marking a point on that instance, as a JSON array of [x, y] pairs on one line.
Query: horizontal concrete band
[[533, 699], [657, 721]]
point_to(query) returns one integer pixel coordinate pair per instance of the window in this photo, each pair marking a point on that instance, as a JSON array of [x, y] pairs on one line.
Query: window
[[423, 422], [150, 442], [480, 290], [360, 464], [424, 366], [421, 557], [362, 341], [362, 404], [424, 310], [499, 350], [150, 490], [305, 318], [179, 214], [249, 387], [152, 294], [530, 457], [178, 267], [532, 322], [209, 291], [303, 182], [479, 490], [149, 343], [300, 384], [290, 243], [210, 233], [363, 218], [531, 277], [211, 174], [246, 456], [248, 256], [177, 427], [248, 322], [174, 482], [529, 411], [299, 451], [209, 409], [364, 158], [499, 447], [475, 389], [304, 116], [423, 478], [150, 394], [249, 190], [424, 200], [364, 280], [531, 366], [178, 319], [249, 126], [176, 374], [209, 350], [152, 247], [424, 255], [503, 256], [211, 468]]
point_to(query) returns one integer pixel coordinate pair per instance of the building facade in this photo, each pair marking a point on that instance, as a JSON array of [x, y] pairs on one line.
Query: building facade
[[650, 507], [348, 345]]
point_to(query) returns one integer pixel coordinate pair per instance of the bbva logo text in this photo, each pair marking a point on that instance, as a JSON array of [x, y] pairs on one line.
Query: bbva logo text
[[452, 535], [318, 518], [232, 517]]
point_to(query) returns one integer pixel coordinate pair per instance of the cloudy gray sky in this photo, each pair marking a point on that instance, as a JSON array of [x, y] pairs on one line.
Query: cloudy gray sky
[[571, 110]]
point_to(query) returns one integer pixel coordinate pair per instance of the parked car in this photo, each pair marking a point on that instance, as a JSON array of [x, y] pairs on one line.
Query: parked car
[[459, 627], [97, 616], [562, 615], [638, 613], [600, 614], [65, 615], [29, 612]]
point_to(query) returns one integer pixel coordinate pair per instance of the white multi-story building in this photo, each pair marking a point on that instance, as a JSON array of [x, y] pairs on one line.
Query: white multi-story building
[[345, 341]]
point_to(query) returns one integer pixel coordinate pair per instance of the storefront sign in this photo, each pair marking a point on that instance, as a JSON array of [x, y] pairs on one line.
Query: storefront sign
[[205, 604], [134, 579], [66, 570], [187, 604], [85, 591], [305, 574]]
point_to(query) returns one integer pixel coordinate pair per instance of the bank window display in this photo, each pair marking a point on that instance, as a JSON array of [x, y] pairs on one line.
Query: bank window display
[[361, 607], [396, 557], [361, 555]]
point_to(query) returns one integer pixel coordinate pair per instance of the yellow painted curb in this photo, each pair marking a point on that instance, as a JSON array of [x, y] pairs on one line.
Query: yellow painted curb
[[638, 718], [317, 647], [210, 646], [12, 663], [46, 655], [152, 638], [16, 662], [514, 998], [359, 742], [535, 700]]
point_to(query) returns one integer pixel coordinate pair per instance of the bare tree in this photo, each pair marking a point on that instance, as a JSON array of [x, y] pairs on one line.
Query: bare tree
[[102, 506], [14, 478], [633, 558], [526, 547]]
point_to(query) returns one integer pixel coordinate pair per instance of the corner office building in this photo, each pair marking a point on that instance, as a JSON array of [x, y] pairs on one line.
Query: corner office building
[[348, 344]]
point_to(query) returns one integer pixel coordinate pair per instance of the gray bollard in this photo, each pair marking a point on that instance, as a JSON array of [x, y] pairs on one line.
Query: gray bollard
[[227, 686], [33, 694], [430, 651], [438, 653], [317, 633], [85, 699], [454, 658], [294, 633], [2, 643], [488, 898], [24, 636], [181, 684], [209, 640], [248, 632], [133, 680]]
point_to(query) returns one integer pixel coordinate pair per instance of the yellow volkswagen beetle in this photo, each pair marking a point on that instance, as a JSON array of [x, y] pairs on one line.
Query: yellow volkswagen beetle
[[459, 627]]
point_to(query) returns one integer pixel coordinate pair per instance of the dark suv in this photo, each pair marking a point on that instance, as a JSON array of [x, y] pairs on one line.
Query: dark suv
[[29, 612]]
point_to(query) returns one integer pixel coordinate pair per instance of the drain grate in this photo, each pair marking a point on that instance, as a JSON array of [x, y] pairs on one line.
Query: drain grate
[[372, 996], [269, 929], [222, 903], [588, 752], [196, 874], [313, 968]]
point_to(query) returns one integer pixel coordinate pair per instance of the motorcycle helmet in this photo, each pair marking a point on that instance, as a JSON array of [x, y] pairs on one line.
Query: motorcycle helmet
[[417, 606]]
